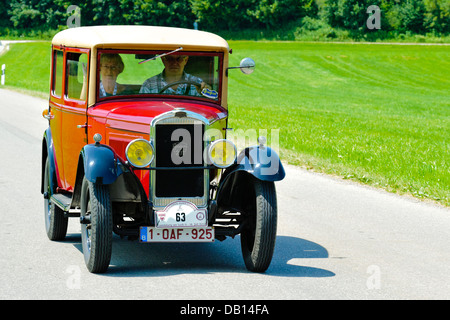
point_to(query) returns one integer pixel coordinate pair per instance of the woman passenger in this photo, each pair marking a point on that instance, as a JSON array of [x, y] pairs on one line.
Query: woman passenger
[[111, 65]]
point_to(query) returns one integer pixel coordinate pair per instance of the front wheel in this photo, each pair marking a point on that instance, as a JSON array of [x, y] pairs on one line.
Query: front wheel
[[259, 234], [97, 226]]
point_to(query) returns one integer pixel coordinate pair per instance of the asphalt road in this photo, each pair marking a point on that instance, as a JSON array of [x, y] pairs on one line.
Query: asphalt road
[[336, 240]]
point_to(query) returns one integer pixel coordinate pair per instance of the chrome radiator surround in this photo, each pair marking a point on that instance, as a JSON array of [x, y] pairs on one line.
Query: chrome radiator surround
[[174, 118]]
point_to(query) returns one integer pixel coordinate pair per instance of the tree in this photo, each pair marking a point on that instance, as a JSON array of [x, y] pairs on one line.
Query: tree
[[437, 15], [4, 22], [24, 15], [348, 14], [401, 16], [275, 13], [412, 13], [219, 15]]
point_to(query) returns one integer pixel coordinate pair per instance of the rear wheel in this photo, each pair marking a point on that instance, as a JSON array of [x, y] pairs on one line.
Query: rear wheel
[[55, 222], [259, 234], [97, 226]]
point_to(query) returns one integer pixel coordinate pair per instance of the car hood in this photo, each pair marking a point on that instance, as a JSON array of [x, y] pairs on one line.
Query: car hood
[[137, 116]]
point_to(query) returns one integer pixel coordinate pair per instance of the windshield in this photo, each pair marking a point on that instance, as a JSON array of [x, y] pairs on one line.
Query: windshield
[[159, 73]]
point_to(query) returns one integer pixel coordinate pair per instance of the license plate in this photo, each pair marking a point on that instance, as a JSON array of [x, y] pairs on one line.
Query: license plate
[[181, 214], [152, 234]]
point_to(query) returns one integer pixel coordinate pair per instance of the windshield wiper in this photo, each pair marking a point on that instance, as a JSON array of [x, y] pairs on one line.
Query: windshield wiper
[[161, 55]]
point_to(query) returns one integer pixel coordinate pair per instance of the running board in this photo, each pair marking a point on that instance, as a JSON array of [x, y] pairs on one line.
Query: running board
[[61, 200]]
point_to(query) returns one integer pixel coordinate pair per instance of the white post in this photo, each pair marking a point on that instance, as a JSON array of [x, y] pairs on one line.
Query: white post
[[3, 74]]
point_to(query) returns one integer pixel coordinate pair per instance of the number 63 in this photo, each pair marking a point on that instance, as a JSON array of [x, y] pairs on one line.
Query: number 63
[[180, 216]]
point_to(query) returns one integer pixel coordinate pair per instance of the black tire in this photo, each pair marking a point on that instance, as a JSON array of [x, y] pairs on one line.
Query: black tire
[[259, 234], [55, 222], [96, 236]]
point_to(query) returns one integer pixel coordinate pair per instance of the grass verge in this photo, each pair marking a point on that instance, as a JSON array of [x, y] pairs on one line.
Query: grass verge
[[377, 114]]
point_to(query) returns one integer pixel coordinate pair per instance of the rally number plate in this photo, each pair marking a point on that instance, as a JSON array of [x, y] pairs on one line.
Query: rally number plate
[[151, 234], [181, 214]]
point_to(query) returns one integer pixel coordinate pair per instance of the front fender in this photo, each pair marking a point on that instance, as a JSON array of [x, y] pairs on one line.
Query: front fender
[[258, 162], [100, 164], [262, 162]]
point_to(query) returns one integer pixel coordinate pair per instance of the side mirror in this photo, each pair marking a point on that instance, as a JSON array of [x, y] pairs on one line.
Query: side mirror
[[247, 66]]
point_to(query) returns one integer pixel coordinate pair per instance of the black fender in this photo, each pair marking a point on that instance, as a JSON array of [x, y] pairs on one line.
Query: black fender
[[100, 164], [48, 152], [262, 162], [257, 162]]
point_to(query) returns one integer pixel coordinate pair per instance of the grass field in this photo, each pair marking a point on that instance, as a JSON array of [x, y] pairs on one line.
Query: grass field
[[27, 66], [378, 114]]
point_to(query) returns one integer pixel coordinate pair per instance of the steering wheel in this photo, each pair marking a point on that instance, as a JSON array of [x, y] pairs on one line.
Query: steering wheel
[[179, 82]]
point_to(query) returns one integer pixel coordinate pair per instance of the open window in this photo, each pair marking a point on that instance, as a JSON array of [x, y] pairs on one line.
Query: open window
[[76, 75]]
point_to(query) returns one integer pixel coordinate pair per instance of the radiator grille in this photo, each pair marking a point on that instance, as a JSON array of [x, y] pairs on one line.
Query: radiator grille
[[179, 145]]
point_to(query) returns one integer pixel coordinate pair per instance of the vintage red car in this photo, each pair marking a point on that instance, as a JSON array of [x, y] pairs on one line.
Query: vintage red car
[[137, 144]]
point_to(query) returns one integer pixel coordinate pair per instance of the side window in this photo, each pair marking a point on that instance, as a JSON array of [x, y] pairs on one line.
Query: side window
[[57, 72], [76, 75]]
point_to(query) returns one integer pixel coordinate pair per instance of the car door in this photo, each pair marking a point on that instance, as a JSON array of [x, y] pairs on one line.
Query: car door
[[55, 111], [73, 115]]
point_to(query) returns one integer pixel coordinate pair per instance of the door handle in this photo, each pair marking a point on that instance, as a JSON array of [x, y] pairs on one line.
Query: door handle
[[81, 126], [47, 114]]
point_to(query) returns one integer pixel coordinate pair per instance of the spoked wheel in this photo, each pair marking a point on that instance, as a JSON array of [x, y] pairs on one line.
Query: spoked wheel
[[96, 226], [259, 234], [55, 222]]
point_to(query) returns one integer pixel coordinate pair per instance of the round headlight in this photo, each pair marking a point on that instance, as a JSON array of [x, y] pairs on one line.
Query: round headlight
[[222, 153], [139, 153]]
